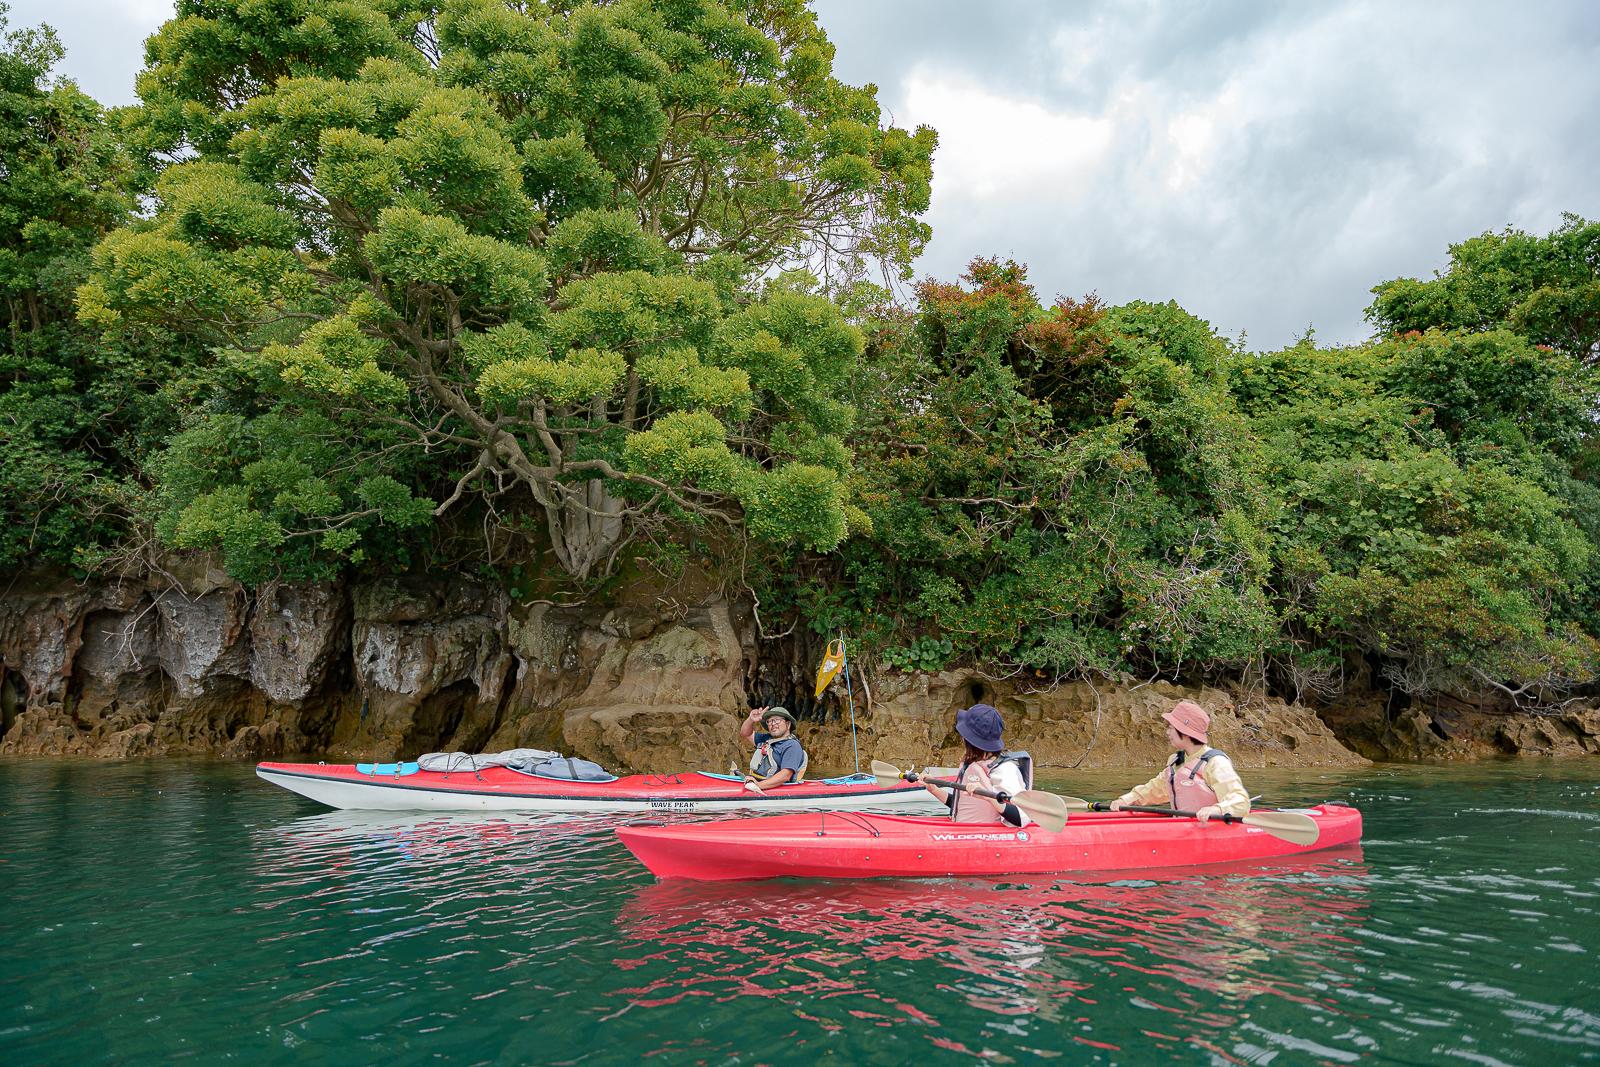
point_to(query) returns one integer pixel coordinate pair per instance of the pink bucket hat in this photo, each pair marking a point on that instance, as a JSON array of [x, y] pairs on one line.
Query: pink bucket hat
[[1190, 718]]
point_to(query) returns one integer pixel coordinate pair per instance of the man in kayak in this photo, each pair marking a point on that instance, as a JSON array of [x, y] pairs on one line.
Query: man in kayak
[[778, 759], [1197, 778], [983, 766]]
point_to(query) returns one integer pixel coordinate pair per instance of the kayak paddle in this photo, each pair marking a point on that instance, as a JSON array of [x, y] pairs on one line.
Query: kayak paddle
[[1286, 825], [1046, 809]]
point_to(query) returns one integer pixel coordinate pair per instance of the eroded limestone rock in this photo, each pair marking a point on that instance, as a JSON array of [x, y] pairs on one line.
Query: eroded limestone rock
[[431, 663], [296, 634]]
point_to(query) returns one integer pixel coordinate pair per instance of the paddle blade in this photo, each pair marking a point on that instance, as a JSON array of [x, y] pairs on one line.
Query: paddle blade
[[940, 772], [1046, 809], [885, 773], [1285, 825], [1074, 803]]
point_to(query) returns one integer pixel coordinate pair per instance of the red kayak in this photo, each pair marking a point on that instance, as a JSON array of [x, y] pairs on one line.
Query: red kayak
[[853, 845], [405, 787]]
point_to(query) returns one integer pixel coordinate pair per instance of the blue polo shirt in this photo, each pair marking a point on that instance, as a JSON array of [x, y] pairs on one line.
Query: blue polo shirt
[[787, 752]]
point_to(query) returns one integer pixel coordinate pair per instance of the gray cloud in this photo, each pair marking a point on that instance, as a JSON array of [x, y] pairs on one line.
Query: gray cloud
[[1330, 147], [1264, 164]]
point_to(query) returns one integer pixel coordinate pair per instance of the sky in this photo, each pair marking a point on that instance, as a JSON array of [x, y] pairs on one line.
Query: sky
[[1262, 163]]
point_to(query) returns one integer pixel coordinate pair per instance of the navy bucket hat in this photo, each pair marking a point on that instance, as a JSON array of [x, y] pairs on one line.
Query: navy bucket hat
[[980, 725]]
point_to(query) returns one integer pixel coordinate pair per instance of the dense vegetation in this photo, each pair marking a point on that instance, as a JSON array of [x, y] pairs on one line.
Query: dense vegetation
[[553, 292]]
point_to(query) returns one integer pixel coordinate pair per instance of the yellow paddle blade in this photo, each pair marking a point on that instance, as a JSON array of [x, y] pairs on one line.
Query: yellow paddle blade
[[1285, 825]]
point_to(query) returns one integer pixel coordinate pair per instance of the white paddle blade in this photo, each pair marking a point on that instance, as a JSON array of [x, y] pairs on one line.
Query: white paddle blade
[[885, 773], [940, 772], [1046, 809], [1286, 825]]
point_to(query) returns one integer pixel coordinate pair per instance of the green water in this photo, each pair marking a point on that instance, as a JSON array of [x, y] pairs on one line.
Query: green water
[[170, 912]]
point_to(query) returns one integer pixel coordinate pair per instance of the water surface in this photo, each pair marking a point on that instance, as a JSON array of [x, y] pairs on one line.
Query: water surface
[[168, 912]]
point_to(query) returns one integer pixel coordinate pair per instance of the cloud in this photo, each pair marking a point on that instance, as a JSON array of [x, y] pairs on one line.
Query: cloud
[[1264, 165], [992, 146], [104, 39]]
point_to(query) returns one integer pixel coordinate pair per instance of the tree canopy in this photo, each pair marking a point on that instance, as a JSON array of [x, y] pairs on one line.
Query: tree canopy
[[1546, 289], [570, 260]]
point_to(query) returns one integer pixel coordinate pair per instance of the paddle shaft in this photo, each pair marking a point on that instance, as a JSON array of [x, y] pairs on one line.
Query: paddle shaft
[[1294, 827], [1000, 795], [1168, 811]]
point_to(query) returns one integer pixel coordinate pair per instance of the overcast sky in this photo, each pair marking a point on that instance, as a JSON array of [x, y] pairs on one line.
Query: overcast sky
[[1264, 164]]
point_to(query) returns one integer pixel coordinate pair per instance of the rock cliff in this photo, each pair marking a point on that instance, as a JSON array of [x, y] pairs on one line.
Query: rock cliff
[[188, 662]]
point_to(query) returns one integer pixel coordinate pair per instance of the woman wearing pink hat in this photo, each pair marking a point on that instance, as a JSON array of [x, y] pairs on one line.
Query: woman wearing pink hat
[[1197, 778]]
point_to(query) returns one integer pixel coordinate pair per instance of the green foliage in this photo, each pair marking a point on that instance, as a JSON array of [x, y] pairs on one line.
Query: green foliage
[[76, 416], [1547, 289], [1116, 490], [1416, 518], [923, 654], [1063, 489], [590, 279], [533, 235], [278, 494]]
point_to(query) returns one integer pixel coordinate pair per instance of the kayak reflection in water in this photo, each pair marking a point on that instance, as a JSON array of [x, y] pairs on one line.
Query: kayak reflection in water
[[984, 765], [1197, 778]]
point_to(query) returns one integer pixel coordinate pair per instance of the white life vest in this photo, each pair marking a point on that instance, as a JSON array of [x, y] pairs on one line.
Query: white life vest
[[763, 764], [1189, 790], [971, 809]]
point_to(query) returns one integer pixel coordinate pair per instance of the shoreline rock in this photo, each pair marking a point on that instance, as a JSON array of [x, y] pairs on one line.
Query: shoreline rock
[[186, 662]]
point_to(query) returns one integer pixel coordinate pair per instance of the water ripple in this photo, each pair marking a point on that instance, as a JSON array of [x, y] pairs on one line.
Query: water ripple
[[163, 913]]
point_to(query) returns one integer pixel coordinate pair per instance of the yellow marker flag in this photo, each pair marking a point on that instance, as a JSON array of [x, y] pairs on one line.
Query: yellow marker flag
[[831, 663]]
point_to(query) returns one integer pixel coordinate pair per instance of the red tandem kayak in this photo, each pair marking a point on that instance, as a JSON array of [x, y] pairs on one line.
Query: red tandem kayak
[[855, 845], [403, 787]]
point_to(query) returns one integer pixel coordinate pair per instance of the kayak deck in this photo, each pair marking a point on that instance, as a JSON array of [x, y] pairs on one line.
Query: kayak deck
[[829, 845], [502, 789]]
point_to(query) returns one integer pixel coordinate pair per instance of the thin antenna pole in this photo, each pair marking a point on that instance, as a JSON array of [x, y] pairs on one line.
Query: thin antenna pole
[[850, 693]]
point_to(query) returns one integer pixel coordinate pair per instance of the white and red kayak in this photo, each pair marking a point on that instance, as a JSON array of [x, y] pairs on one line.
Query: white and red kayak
[[403, 787], [857, 845]]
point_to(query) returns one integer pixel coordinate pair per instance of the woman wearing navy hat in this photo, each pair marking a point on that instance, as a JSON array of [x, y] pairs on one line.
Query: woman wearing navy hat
[[983, 766]]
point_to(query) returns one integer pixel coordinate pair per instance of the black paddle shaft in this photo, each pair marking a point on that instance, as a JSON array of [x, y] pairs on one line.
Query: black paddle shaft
[[1103, 806], [1002, 796]]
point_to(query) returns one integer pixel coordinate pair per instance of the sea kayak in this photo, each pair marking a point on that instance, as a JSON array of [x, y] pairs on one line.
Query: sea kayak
[[855, 845], [403, 787]]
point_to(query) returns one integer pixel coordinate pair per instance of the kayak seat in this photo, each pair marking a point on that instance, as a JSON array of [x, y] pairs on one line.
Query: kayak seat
[[387, 770]]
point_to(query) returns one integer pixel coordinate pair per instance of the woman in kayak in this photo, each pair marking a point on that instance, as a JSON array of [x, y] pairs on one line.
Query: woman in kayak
[[983, 766], [1197, 778]]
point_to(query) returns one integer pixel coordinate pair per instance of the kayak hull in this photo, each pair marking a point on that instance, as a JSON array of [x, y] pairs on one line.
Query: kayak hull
[[500, 789], [889, 846]]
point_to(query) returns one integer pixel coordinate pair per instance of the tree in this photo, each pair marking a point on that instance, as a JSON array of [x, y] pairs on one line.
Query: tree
[[539, 253], [1064, 490], [75, 416], [1545, 288], [1423, 519]]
